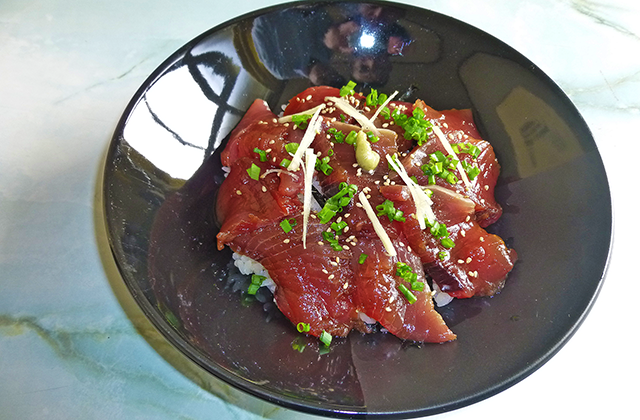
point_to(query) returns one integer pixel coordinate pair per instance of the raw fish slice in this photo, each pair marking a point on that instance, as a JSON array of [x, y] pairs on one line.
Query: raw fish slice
[[257, 129], [479, 262], [314, 285], [377, 295], [482, 189], [245, 204]]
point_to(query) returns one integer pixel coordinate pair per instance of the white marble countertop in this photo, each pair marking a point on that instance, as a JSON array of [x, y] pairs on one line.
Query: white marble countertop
[[72, 344]]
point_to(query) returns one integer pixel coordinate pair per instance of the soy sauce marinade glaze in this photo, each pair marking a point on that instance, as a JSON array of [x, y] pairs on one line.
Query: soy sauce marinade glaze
[[406, 193]]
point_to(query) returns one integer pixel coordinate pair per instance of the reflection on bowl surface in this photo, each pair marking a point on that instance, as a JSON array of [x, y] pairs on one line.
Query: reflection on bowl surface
[[163, 171]]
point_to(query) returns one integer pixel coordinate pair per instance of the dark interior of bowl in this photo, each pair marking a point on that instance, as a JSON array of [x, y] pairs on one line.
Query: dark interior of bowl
[[163, 171]]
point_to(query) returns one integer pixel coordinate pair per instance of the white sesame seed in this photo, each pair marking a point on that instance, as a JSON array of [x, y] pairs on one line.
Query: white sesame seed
[[377, 182], [333, 263], [366, 108], [308, 97], [275, 120], [345, 286], [346, 215], [358, 205], [409, 248], [463, 233], [338, 259], [264, 189], [482, 239], [486, 188], [460, 261], [445, 125], [468, 260], [238, 192], [392, 298], [286, 124], [286, 241], [385, 125], [345, 247], [320, 243], [339, 219], [272, 142], [331, 277], [388, 309], [467, 219], [346, 229], [355, 165], [368, 196], [313, 216], [268, 150], [324, 270]]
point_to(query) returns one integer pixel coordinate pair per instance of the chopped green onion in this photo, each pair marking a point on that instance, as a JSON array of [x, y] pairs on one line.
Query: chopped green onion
[[333, 241], [343, 118], [338, 136], [262, 154], [372, 137], [442, 255], [387, 209], [256, 282], [287, 224], [326, 338], [469, 148], [385, 113], [439, 230], [415, 127], [254, 171], [351, 138], [301, 120], [338, 227], [323, 165], [471, 170], [441, 166], [348, 88], [291, 147], [336, 203], [252, 289], [285, 163], [362, 259], [447, 243], [407, 294], [303, 327], [373, 99]]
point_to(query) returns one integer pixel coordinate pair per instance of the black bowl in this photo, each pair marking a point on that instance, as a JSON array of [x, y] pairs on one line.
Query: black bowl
[[163, 171]]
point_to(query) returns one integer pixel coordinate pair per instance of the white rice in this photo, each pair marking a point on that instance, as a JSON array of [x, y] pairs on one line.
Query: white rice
[[248, 266], [439, 297]]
